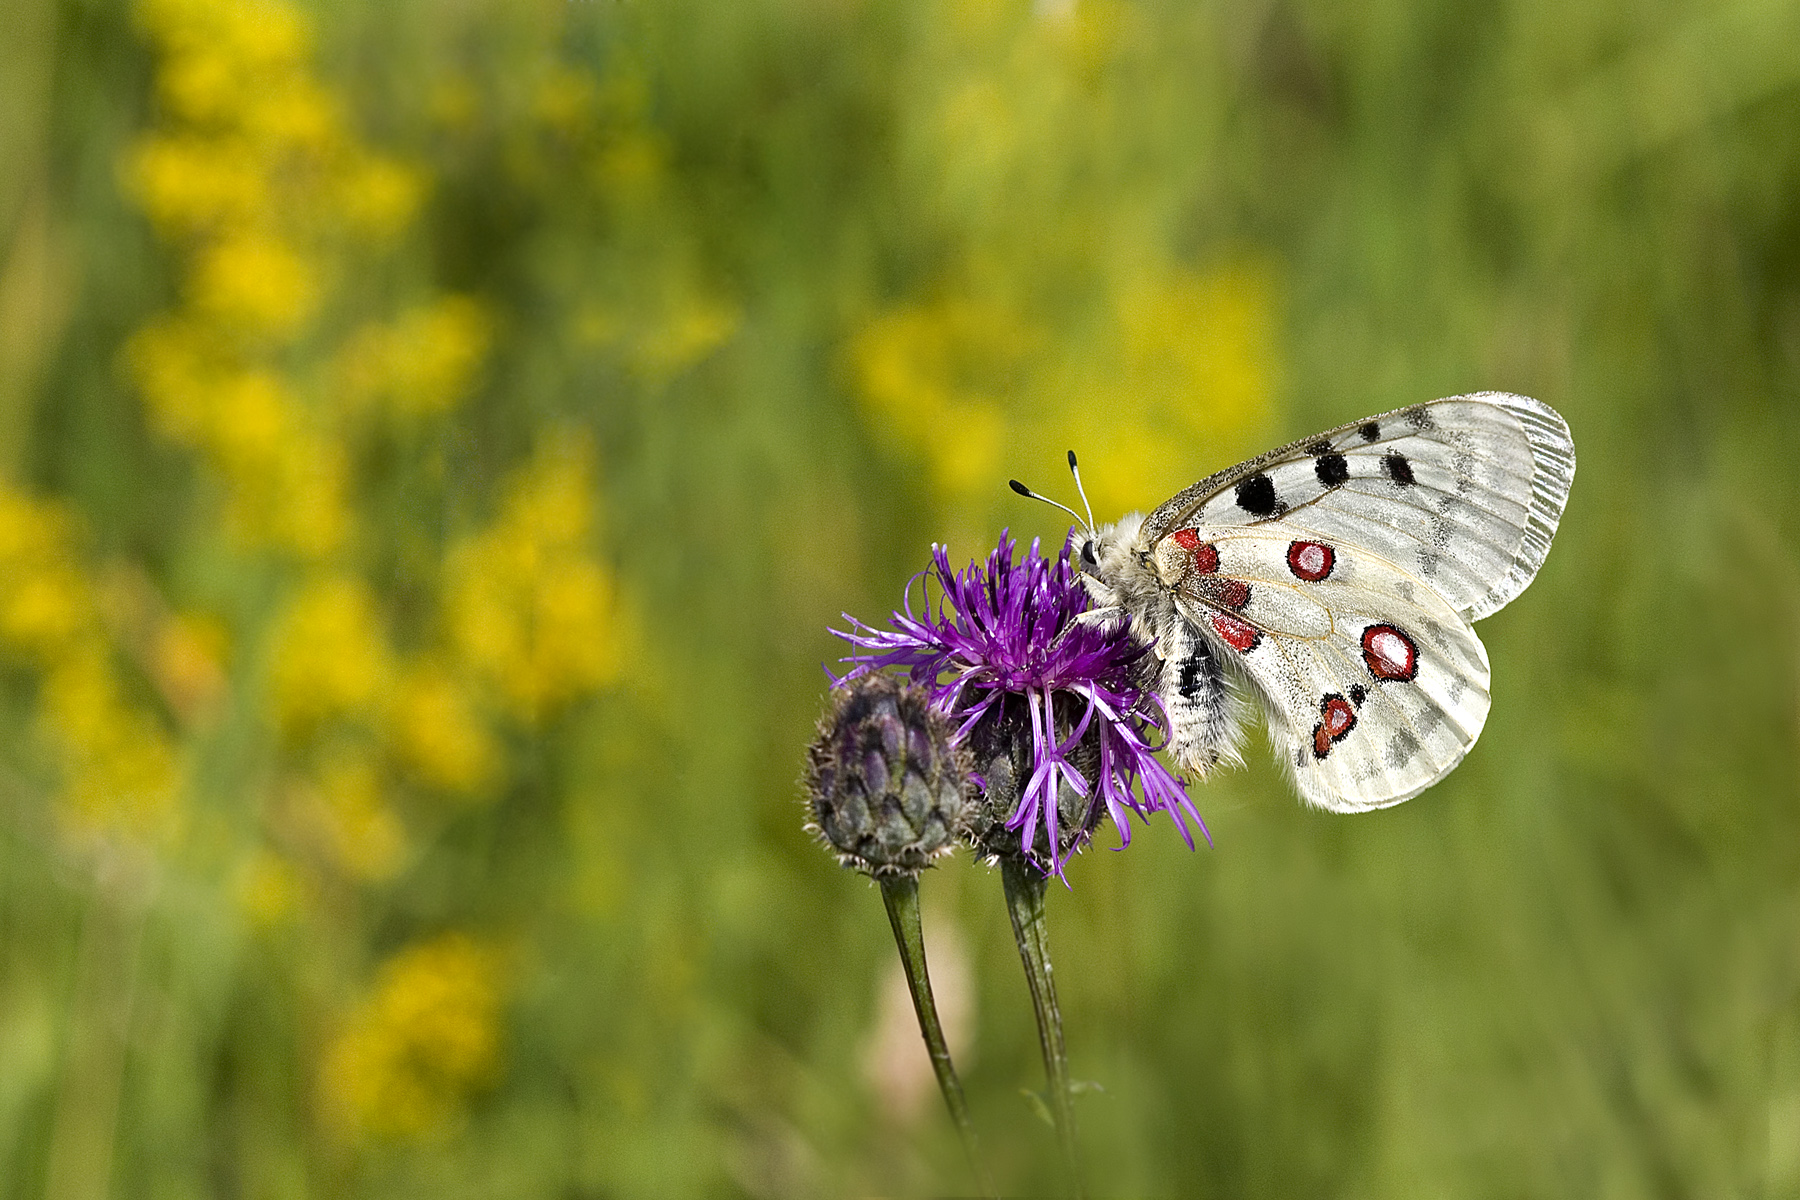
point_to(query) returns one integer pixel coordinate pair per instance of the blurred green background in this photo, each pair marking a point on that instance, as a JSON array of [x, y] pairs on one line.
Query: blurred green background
[[436, 436]]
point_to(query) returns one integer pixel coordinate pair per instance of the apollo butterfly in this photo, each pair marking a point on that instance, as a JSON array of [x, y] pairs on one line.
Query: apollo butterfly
[[1334, 581]]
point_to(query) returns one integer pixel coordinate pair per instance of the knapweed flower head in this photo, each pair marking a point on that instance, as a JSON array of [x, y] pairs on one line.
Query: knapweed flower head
[[1003, 652], [886, 781]]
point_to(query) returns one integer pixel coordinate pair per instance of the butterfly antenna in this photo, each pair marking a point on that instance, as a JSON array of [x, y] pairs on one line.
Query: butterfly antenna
[[1076, 472], [1031, 495]]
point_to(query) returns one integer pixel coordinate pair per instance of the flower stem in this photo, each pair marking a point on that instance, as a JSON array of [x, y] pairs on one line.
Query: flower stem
[[901, 894], [1025, 902]]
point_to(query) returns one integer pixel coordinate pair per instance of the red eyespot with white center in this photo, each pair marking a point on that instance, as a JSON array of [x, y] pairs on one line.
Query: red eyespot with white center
[[1239, 635], [1206, 555], [1390, 654], [1311, 561], [1336, 719]]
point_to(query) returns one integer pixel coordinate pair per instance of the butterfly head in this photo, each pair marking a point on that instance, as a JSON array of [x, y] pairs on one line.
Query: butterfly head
[[1113, 566], [1115, 569]]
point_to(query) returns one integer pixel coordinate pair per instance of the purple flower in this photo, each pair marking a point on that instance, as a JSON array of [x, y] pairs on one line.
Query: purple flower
[[1008, 634]]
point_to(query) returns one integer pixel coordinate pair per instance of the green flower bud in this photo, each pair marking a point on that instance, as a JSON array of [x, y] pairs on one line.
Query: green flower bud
[[887, 785]]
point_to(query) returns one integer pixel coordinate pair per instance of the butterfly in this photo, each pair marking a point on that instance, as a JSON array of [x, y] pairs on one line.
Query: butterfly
[[1333, 581]]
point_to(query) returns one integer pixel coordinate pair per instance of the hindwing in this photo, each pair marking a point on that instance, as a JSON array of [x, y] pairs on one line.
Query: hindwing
[[1375, 686]]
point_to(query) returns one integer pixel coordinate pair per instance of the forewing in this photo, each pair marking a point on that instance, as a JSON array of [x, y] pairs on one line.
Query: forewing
[[1464, 494], [1374, 685]]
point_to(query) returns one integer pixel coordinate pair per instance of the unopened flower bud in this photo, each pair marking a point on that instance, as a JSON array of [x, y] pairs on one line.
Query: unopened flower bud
[[887, 786]]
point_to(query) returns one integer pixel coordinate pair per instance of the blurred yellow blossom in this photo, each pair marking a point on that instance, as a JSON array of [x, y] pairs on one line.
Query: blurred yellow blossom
[[295, 114], [177, 372], [343, 812], [630, 166], [375, 196], [219, 53], [189, 183], [410, 1056], [437, 731], [257, 283], [1188, 381], [284, 477], [1177, 360], [940, 375], [47, 600], [331, 657], [528, 608], [421, 364], [119, 767]]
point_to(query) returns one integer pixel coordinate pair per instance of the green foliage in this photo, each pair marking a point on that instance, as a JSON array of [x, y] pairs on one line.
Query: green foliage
[[781, 291]]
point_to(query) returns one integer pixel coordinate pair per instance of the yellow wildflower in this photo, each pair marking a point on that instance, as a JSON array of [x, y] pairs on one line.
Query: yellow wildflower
[[118, 766], [344, 813], [188, 183], [331, 657], [171, 363], [423, 363], [410, 1056], [375, 196], [48, 604], [437, 732], [630, 166], [294, 114], [528, 610], [1187, 385], [937, 376], [256, 283], [221, 53]]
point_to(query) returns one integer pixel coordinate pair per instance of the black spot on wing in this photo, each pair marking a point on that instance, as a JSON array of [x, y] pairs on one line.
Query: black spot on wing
[[1256, 496], [1397, 468], [1420, 418], [1371, 431], [1331, 469], [1321, 446], [1357, 694]]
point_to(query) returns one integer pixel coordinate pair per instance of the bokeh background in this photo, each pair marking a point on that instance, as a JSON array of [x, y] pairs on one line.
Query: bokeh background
[[436, 436]]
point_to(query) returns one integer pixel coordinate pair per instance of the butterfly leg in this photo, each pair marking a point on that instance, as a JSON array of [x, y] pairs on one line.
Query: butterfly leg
[[1205, 712], [1102, 616]]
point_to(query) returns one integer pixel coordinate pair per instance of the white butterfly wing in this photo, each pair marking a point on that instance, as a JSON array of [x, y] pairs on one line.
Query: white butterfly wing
[[1374, 685], [1464, 493]]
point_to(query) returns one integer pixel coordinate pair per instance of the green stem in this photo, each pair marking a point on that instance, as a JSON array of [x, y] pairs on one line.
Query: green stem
[[1025, 902], [901, 894]]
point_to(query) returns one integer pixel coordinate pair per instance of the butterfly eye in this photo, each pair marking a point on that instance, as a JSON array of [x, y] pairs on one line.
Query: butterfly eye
[[1087, 554]]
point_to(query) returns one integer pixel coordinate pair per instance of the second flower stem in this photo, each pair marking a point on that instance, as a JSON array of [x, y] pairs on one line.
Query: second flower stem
[[1025, 902], [901, 894]]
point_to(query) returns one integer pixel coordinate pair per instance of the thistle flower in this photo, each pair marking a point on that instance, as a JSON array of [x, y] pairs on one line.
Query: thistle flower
[[1005, 656]]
